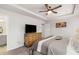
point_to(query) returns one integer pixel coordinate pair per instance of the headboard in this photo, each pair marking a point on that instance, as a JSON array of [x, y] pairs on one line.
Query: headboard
[[30, 38]]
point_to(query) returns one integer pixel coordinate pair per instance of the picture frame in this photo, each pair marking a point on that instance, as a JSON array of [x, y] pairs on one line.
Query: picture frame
[[61, 24]]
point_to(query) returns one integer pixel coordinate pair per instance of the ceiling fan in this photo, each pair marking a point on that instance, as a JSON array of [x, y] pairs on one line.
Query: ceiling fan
[[50, 9]]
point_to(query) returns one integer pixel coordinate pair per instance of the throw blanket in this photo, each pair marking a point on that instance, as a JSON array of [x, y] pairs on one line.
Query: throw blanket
[[41, 43], [56, 47]]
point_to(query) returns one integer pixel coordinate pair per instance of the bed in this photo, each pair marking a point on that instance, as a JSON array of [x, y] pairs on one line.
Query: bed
[[51, 46], [73, 46]]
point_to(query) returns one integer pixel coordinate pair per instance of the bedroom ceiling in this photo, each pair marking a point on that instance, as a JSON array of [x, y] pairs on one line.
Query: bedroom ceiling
[[33, 10], [65, 9]]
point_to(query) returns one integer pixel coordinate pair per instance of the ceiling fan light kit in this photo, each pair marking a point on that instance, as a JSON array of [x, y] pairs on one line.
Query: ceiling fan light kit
[[49, 12]]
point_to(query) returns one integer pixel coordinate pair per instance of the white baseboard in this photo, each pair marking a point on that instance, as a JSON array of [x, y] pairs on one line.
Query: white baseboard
[[15, 47]]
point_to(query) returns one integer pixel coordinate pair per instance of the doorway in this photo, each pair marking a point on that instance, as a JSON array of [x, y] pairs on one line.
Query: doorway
[[3, 35]]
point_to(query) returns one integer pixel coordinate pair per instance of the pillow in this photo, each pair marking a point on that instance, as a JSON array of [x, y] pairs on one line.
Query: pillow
[[58, 37]]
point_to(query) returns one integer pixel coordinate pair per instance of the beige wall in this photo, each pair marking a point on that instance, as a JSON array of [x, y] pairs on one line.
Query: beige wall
[[69, 30]]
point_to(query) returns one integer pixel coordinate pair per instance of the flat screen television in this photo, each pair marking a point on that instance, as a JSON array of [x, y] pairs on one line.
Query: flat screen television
[[30, 28]]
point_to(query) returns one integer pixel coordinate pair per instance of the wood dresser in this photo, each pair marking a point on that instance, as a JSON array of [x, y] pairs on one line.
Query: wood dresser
[[30, 38]]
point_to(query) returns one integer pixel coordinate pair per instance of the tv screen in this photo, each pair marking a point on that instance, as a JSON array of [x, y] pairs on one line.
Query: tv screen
[[30, 28]]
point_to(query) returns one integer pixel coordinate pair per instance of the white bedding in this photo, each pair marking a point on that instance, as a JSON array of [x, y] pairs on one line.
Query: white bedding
[[41, 42], [70, 49]]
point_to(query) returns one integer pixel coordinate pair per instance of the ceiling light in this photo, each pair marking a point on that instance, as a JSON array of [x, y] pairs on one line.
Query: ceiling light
[[49, 12]]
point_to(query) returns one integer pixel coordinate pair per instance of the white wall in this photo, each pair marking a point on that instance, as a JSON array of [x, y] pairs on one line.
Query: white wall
[[15, 28], [72, 24], [46, 30]]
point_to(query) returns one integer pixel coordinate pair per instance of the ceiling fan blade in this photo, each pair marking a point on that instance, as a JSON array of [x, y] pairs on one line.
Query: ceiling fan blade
[[43, 11], [46, 5], [57, 7], [54, 12]]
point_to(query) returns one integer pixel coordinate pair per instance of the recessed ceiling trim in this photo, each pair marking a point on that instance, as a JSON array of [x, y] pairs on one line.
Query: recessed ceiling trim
[[28, 11], [72, 13]]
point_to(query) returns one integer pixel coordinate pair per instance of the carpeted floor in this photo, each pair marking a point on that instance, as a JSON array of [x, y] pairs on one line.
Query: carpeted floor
[[2, 49], [19, 51]]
